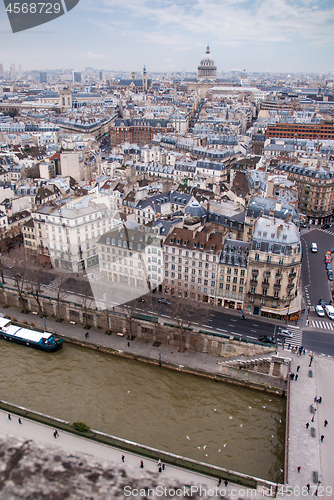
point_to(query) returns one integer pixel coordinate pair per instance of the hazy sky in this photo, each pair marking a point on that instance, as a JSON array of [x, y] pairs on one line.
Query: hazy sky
[[171, 35]]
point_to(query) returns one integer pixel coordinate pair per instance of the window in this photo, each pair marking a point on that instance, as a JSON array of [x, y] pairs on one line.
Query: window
[[236, 272], [241, 289], [235, 280], [242, 272], [199, 281], [242, 281], [257, 256], [234, 288], [229, 270], [227, 287]]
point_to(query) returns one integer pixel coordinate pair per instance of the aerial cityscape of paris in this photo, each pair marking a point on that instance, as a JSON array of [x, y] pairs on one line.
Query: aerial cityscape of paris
[[166, 246]]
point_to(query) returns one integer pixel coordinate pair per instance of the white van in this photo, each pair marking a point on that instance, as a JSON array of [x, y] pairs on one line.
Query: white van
[[314, 247], [329, 311]]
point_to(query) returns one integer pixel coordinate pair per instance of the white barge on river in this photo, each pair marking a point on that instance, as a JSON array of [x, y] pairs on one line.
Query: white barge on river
[[44, 341]]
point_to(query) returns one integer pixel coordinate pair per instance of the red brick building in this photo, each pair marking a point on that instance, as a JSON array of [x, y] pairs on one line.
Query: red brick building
[[301, 130]]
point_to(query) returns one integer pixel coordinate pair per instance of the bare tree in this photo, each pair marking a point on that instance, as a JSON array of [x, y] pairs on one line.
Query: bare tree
[[84, 294], [61, 292], [34, 289], [19, 275], [185, 314]]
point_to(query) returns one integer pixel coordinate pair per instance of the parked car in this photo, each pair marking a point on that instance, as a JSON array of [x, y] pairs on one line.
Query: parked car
[[322, 302], [285, 333], [328, 267], [328, 259], [319, 310], [266, 339], [330, 276], [327, 226], [164, 301]]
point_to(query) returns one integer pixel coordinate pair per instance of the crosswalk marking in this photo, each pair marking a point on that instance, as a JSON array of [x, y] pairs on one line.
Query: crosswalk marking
[[296, 341], [327, 231], [325, 325]]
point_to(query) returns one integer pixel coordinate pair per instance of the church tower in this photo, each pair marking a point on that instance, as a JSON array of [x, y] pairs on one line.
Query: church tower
[[144, 79]]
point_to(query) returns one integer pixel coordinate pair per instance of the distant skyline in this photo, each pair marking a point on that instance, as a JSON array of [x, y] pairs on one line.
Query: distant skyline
[[287, 36]]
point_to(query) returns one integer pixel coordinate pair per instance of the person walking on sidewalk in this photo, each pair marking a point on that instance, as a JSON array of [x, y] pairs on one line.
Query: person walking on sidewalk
[[308, 486], [307, 425], [298, 469], [123, 458], [325, 423], [296, 378], [298, 368], [9, 417], [322, 438]]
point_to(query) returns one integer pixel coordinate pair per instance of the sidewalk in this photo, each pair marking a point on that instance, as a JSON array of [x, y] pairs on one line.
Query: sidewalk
[[306, 451], [303, 450]]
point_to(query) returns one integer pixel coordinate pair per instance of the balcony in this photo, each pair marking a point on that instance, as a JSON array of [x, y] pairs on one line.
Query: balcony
[[255, 272], [279, 274], [265, 284], [253, 282], [292, 275], [277, 287], [267, 274], [290, 286]]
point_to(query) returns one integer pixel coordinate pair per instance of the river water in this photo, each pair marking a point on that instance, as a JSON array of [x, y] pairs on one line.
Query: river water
[[232, 427]]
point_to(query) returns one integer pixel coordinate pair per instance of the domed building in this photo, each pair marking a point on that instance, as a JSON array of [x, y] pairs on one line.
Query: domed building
[[207, 71]]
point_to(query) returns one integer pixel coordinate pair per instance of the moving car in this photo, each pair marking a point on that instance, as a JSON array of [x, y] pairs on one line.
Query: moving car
[[322, 302], [164, 301], [327, 226], [285, 333], [319, 310], [314, 248], [268, 340]]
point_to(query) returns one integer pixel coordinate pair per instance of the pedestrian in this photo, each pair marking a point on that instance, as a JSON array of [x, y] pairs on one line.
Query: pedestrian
[[320, 400], [19, 421], [311, 359], [9, 417], [86, 335], [55, 434], [219, 482], [298, 469], [141, 464], [128, 344], [304, 352], [160, 469], [289, 347], [325, 423], [315, 399], [307, 425], [159, 462], [322, 438], [226, 483], [298, 368], [308, 486], [312, 419], [123, 458], [296, 377]]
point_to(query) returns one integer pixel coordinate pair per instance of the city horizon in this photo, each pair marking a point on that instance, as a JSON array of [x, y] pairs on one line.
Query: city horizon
[[172, 37]]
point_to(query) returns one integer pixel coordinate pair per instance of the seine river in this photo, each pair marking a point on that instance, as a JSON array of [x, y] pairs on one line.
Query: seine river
[[232, 427]]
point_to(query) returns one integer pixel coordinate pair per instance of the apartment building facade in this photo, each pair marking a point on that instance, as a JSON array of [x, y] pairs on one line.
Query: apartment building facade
[[315, 190], [232, 283], [274, 265], [191, 264], [301, 130]]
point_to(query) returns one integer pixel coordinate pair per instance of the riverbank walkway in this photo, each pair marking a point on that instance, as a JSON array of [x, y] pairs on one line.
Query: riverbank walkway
[[315, 458]]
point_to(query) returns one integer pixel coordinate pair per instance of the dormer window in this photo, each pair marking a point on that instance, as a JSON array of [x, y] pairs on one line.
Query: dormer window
[[195, 245], [201, 246], [108, 241], [212, 249], [171, 240], [177, 242], [184, 243]]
